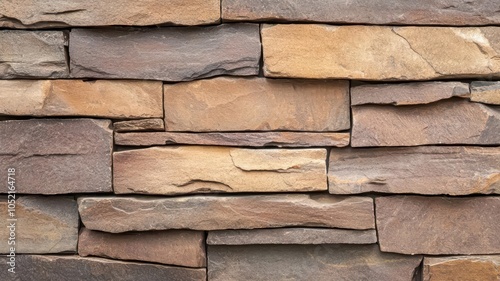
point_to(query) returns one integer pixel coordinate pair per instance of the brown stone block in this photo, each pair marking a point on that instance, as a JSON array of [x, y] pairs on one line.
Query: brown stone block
[[470, 268], [153, 124], [485, 92]]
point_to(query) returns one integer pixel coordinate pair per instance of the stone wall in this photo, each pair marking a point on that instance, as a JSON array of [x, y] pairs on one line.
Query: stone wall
[[250, 140]]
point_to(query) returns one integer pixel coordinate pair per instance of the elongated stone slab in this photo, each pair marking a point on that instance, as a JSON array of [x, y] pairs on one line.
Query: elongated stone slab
[[428, 12], [45, 268], [44, 225], [438, 225], [198, 169], [308, 262], [422, 170], [485, 92], [260, 139], [33, 54], [175, 247], [257, 104], [380, 53], [407, 93], [289, 236], [57, 156], [480, 268], [169, 54], [153, 124], [454, 121], [49, 14], [120, 214], [101, 98]]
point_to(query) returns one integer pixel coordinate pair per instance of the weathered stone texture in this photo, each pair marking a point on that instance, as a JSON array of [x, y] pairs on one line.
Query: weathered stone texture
[[120, 214], [453, 121], [308, 262], [57, 156], [380, 53], [171, 54], [423, 170], [109, 99], [175, 247], [486, 92], [471, 268], [438, 225], [198, 169], [291, 236], [427, 12], [255, 139], [153, 124], [257, 104], [33, 54], [407, 93], [59, 13], [44, 225], [51, 268]]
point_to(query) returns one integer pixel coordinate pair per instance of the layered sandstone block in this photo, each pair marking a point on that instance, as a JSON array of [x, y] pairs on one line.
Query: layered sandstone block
[[380, 52], [57, 156], [194, 169], [438, 225], [44, 225], [473, 268], [101, 98], [152, 124], [257, 104], [170, 54], [486, 92], [121, 214], [33, 54], [60, 13], [308, 262]]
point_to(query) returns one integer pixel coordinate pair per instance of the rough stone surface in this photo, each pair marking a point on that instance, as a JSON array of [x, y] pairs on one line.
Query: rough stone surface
[[471, 268], [308, 262], [51, 268], [407, 93], [486, 92], [291, 236], [257, 104], [120, 214], [59, 13], [438, 225], [176, 247], [380, 52], [44, 225], [33, 54], [260, 139], [57, 156], [427, 12], [139, 125], [170, 54], [454, 121], [423, 170], [108, 99], [198, 169]]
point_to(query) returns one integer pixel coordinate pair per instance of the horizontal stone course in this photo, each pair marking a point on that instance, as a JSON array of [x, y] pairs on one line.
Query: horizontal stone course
[[486, 92], [484, 268], [152, 124]]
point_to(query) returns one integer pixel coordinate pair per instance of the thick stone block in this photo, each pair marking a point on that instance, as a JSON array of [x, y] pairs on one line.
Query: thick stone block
[[471, 268]]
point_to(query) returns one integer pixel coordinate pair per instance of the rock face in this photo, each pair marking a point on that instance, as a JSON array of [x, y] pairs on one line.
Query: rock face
[[423, 170], [170, 54], [380, 53], [45, 268], [289, 236], [438, 225], [195, 169], [308, 262], [59, 13], [139, 125], [108, 99], [238, 104], [428, 12], [176, 247], [486, 92], [444, 122], [44, 225], [407, 93], [56, 156], [120, 214], [474, 268], [33, 53]]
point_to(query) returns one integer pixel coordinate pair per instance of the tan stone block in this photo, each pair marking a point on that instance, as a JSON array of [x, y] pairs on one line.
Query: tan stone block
[[470, 268], [152, 124], [486, 92]]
